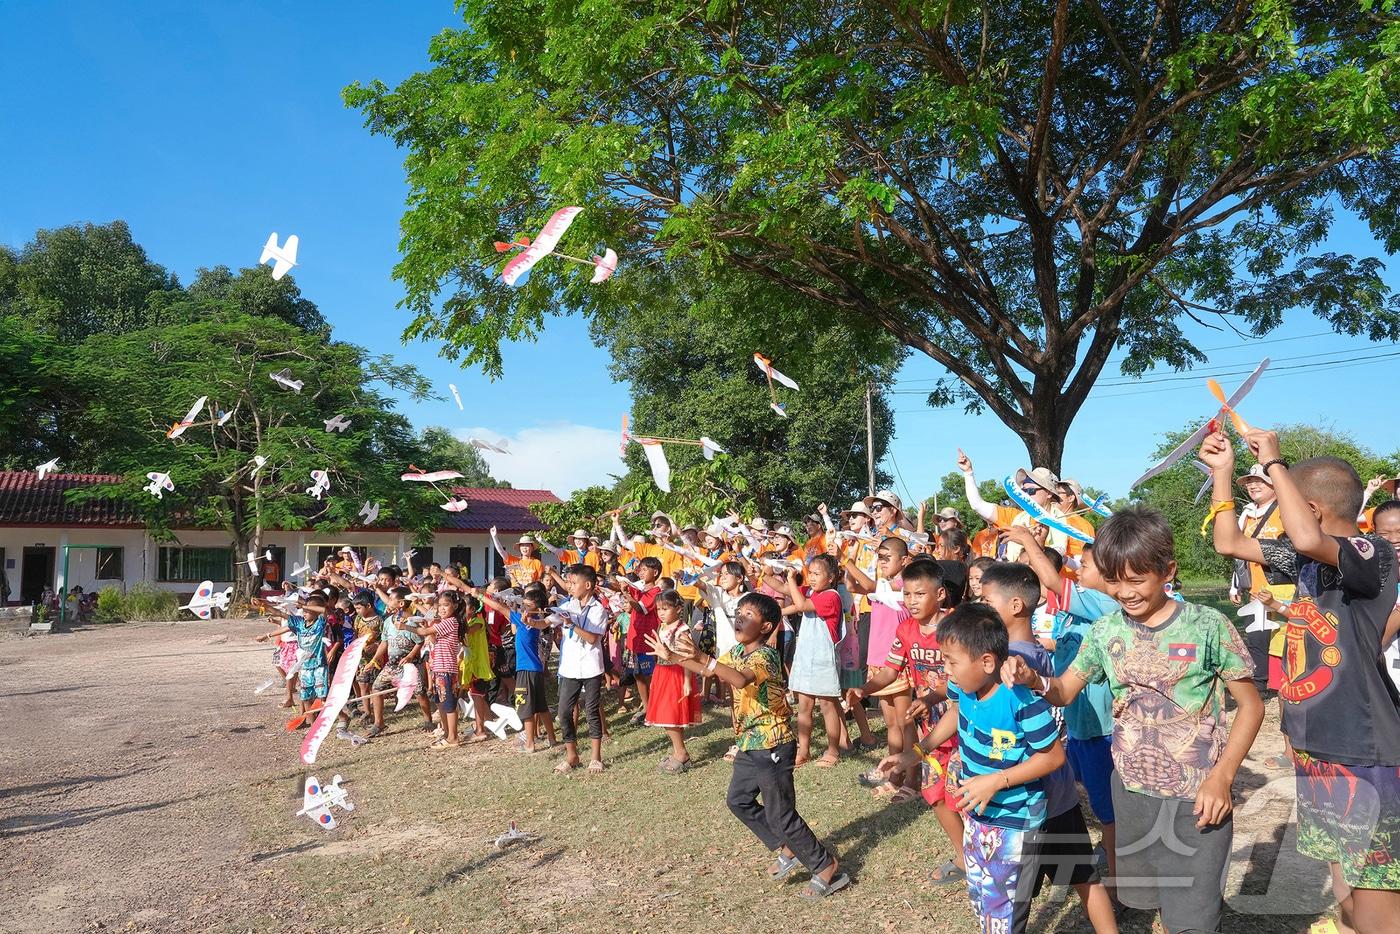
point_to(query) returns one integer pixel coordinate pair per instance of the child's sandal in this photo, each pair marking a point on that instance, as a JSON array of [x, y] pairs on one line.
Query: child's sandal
[[827, 762], [596, 767]]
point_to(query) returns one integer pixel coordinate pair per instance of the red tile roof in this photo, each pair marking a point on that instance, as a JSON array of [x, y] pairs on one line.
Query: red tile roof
[[27, 500], [508, 510]]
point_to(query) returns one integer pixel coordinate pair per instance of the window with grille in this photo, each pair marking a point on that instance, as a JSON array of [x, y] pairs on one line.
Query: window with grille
[[195, 564]]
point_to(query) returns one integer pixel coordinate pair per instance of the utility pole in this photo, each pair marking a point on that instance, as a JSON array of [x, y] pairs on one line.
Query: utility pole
[[869, 442]]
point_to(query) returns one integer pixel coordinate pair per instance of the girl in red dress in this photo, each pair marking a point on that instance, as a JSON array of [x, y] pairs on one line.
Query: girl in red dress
[[674, 701]]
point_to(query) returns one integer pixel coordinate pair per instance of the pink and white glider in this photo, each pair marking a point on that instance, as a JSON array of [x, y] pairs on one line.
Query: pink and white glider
[[553, 231]]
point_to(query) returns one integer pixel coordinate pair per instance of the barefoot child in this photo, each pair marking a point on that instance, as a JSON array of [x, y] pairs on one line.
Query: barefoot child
[[815, 679], [674, 703], [1175, 755], [1009, 742], [1339, 710], [767, 749]]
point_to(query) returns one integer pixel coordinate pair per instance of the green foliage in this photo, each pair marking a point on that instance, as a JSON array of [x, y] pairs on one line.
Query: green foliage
[[585, 509], [952, 492], [111, 605], [1013, 190], [142, 603], [1174, 491], [690, 366]]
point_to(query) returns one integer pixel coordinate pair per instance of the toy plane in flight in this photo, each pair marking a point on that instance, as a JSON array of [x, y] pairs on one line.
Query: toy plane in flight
[[283, 257], [159, 482], [456, 395], [253, 558], [284, 378], [765, 366], [369, 512], [205, 600], [482, 445], [46, 468], [320, 483], [339, 423], [317, 801]]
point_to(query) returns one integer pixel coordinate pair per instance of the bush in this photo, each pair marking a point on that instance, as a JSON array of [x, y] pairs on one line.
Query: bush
[[145, 602], [111, 605]]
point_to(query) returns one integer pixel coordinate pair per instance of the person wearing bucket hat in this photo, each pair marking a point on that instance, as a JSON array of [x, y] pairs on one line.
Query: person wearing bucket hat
[[1038, 484], [582, 551], [1068, 497], [887, 511], [1260, 519], [815, 528], [523, 569], [782, 545], [948, 518]]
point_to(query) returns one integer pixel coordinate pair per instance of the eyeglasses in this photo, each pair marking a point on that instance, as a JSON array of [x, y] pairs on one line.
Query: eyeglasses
[[1030, 488]]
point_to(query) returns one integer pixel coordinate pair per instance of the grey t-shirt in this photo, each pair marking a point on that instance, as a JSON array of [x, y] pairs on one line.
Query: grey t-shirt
[[1338, 703]]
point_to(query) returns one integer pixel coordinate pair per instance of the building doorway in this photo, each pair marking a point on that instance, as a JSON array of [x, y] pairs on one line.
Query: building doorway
[[36, 573]]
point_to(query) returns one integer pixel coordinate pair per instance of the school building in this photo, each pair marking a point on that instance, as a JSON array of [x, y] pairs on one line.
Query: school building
[[49, 542]]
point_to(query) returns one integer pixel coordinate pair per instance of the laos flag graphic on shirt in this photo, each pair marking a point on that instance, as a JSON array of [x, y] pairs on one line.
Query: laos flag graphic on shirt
[[1182, 651]]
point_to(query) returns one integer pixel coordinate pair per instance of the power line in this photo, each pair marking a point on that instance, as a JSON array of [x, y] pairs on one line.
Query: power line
[[1271, 373], [1230, 369]]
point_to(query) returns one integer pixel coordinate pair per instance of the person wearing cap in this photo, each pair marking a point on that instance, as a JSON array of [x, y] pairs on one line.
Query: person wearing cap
[[1259, 519], [948, 518], [861, 551], [523, 569], [1038, 484], [782, 545]]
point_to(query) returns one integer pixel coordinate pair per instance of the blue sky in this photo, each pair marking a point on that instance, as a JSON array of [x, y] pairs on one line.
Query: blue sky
[[207, 126]]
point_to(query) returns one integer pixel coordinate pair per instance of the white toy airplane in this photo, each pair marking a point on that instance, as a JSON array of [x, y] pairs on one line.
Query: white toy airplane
[[454, 505], [766, 367], [252, 561], [369, 512], [499, 447], [284, 378], [316, 801], [299, 570], [46, 468], [159, 482], [283, 257], [205, 600], [339, 423], [177, 429], [506, 717], [321, 483], [456, 395]]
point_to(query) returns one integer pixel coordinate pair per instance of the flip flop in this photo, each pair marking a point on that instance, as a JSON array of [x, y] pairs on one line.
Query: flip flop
[[867, 745], [817, 889], [783, 867], [672, 766], [596, 767], [947, 874], [564, 768], [825, 763], [903, 795], [873, 778]]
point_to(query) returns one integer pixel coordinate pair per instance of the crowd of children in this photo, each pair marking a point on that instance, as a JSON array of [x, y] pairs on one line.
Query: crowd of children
[[1011, 668]]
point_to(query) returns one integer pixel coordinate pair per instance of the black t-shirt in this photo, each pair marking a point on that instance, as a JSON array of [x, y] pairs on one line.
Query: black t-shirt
[[1339, 704]]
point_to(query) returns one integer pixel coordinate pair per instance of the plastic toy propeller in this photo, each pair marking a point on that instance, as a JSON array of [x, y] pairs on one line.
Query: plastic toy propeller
[[553, 231]]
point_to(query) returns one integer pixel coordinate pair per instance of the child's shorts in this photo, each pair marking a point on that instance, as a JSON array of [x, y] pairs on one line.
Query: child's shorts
[[937, 781], [367, 674], [530, 694], [313, 682], [1165, 862], [1351, 815], [445, 687], [1001, 873], [1065, 852], [1092, 761]]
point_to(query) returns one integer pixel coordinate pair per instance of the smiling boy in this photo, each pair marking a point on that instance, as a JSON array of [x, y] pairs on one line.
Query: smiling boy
[[1168, 665]]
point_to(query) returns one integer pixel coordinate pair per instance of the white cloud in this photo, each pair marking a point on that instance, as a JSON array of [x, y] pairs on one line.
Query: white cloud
[[557, 456]]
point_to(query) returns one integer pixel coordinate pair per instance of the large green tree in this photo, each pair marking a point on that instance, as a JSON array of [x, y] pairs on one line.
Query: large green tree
[[130, 388], [1012, 189], [86, 279]]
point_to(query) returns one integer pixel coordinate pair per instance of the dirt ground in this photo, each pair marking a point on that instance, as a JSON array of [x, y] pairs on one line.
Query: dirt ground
[[143, 786]]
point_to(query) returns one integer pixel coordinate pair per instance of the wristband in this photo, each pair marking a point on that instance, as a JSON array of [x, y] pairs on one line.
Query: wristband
[[1216, 509], [1277, 460], [709, 669]]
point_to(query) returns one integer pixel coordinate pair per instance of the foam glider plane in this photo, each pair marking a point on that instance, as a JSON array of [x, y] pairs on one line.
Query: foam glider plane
[[283, 256], [544, 245]]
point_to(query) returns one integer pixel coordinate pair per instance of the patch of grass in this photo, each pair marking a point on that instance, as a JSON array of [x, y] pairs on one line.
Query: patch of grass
[[630, 850]]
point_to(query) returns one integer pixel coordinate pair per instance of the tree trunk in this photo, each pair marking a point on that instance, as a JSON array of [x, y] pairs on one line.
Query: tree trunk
[[1050, 419]]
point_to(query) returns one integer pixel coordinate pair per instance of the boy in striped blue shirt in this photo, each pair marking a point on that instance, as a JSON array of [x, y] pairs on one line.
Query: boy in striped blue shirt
[[1008, 740]]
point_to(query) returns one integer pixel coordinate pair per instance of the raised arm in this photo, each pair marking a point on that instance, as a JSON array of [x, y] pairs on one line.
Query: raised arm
[[1040, 561], [496, 543], [974, 498], [1218, 454], [1298, 520]]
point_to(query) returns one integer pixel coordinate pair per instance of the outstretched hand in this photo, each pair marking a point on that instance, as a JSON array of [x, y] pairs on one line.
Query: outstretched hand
[[964, 462]]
